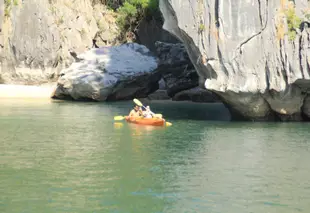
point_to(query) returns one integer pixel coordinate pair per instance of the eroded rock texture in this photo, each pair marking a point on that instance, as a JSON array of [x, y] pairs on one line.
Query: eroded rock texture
[[110, 73], [37, 36], [248, 52]]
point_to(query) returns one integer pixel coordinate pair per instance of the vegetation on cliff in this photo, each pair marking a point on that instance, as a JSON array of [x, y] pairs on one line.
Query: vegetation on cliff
[[8, 5], [132, 12]]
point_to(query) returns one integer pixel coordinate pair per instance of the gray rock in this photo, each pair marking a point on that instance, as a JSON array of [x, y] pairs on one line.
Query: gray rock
[[110, 73], [162, 84], [150, 31], [243, 51], [177, 70], [196, 94], [159, 95], [37, 36], [306, 107]]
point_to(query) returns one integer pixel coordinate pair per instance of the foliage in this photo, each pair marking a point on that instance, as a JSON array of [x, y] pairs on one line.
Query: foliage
[[131, 12], [293, 22], [201, 28], [8, 5]]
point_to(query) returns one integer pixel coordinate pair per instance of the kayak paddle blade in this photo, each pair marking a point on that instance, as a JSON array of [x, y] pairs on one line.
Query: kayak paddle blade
[[168, 124], [119, 118], [137, 102]]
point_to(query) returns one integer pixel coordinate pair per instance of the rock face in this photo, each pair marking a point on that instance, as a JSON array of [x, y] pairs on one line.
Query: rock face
[[177, 70], [159, 95], [150, 31], [253, 54], [37, 35], [110, 73], [179, 75], [196, 94]]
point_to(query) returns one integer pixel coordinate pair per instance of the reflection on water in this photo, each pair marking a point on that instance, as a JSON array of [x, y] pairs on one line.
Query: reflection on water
[[72, 157]]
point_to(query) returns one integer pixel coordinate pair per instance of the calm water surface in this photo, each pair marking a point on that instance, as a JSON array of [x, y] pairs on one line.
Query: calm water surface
[[71, 157]]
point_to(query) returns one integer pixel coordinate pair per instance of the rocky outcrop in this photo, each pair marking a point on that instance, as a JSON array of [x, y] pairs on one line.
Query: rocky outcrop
[[159, 95], [110, 73], [306, 108], [253, 54], [177, 70], [179, 75], [37, 36], [196, 94]]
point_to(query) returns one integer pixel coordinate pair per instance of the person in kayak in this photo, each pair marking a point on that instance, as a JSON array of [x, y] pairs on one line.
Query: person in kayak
[[136, 112], [147, 113]]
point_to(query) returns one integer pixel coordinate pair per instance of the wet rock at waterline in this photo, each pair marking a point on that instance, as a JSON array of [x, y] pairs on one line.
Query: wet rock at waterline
[[306, 107], [247, 53], [110, 73], [196, 94], [159, 95]]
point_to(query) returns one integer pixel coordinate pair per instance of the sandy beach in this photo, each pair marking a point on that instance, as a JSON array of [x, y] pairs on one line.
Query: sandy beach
[[26, 91]]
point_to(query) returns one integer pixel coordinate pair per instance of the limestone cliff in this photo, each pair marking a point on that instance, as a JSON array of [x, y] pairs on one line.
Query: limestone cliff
[[253, 53], [37, 36]]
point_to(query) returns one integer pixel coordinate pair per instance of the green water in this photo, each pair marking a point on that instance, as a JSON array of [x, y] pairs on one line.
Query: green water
[[65, 157]]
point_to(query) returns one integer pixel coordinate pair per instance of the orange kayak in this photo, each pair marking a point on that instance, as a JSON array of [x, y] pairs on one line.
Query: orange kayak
[[146, 121]]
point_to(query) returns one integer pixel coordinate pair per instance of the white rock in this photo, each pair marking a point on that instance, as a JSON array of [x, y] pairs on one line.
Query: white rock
[[102, 69]]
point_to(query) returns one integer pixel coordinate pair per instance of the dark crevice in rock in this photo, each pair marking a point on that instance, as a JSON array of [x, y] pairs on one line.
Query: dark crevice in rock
[[260, 12], [216, 13], [307, 61], [250, 38], [193, 11], [209, 14], [305, 117], [300, 56], [267, 74], [221, 60], [308, 68], [282, 69], [74, 55]]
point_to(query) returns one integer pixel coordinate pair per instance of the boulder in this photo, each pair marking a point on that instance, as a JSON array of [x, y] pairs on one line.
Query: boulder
[[110, 73], [177, 70]]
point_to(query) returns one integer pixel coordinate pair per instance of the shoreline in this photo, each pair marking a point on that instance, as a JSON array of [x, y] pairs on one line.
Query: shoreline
[[43, 91]]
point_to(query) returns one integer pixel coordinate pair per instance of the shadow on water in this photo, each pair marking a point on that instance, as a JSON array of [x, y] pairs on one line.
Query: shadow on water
[[180, 110]]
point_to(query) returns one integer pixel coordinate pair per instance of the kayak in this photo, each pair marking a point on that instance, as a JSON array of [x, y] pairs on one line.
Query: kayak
[[146, 121]]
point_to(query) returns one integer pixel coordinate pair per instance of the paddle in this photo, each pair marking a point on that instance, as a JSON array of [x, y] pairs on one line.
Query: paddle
[[119, 118], [155, 115]]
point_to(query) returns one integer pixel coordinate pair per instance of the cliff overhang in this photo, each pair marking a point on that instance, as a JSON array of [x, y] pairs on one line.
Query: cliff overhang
[[253, 54]]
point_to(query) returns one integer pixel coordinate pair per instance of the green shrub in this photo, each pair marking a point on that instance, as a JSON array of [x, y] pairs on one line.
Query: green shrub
[[7, 7], [131, 12], [293, 22]]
